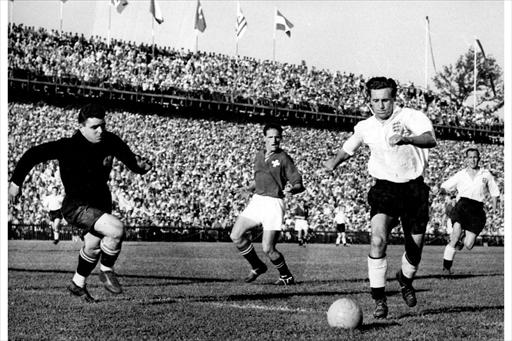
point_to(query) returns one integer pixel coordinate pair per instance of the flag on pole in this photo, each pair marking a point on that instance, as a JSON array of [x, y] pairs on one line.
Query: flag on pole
[[119, 5], [283, 24], [485, 58], [241, 23], [155, 10], [63, 1], [200, 24], [430, 44]]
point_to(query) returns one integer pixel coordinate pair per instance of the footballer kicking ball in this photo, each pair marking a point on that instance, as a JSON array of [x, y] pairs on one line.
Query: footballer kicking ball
[[345, 313]]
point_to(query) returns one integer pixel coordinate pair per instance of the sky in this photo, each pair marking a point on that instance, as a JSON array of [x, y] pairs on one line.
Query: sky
[[371, 38]]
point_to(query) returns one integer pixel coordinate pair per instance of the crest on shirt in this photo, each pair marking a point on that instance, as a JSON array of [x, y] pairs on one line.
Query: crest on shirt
[[107, 161], [276, 163]]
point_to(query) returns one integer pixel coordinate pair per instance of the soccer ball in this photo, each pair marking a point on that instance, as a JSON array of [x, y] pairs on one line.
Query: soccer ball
[[345, 313]]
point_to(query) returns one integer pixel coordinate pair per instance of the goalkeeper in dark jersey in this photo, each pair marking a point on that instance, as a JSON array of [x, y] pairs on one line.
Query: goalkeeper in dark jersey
[[85, 162]]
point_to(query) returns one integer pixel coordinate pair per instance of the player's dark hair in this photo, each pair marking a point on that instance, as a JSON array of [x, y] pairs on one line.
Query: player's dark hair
[[472, 149], [91, 110], [377, 83], [272, 126]]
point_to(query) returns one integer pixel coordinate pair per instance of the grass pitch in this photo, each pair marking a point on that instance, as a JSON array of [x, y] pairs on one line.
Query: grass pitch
[[195, 291]]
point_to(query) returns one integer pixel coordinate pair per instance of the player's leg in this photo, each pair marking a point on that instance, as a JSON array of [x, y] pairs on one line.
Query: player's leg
[[344, 238], [246, 248], [338, 239], [55, 227], [377, 262], [450, 249], [411, 259], [112, 230], [87, 260], [268, 244], [469, 240]]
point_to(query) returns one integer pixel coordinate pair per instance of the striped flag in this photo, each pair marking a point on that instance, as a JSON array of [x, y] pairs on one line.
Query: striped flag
[[200, 24], [119, 5], [283, 24], [154, 9], [241, 23]]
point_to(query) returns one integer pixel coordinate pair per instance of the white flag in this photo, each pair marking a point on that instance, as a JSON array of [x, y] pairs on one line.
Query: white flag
[[155, 10], [241, 23], [119, 5], [283, 24]]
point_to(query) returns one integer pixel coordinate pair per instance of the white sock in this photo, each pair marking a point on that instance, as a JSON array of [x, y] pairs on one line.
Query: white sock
[[79, 280], [408, 269], [105, 268], [449, 252], [377, 272], [56, 235]]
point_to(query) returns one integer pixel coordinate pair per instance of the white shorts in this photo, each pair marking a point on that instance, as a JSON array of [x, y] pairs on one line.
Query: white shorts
[[301, 225], [267, 211]]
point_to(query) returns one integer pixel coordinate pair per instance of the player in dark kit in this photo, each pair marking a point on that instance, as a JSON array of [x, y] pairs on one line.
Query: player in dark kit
[[85, 162], [273, 168]]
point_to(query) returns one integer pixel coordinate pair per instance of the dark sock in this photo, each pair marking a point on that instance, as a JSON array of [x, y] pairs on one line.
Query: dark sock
[[108, 257], [86, 263], [281, 266], [378, 293], [407, 281], [249, 253], [447, 264]]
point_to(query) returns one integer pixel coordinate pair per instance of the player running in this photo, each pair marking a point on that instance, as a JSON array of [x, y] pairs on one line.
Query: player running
[[53, 203], [85, 162], [273, 168], [341, 222], [398, 139], [468, 216], [301, 222]]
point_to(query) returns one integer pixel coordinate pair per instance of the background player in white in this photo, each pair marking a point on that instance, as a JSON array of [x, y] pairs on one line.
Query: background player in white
[[341, 223], [468, 216], [273, 168], [53, 203], [398, 139], [301, 222]]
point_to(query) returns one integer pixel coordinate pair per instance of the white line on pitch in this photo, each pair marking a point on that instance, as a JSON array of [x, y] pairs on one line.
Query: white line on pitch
[[257, 307]]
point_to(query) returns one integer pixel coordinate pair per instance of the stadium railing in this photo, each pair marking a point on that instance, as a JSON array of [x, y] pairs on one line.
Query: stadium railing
[[21, 83]]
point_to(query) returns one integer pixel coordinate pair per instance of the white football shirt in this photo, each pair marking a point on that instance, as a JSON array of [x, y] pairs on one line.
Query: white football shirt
[[472, 187]]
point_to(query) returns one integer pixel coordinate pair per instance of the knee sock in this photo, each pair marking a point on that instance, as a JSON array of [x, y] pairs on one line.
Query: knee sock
[[108, 257], [248, 252], [449, 254], [85, 266], [377, 268], [408, 269], [281, 266]]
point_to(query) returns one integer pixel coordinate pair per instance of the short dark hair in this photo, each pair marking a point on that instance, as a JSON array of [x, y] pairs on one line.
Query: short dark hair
[[376, 83], [91, 110], [472, 149], [275, 126]]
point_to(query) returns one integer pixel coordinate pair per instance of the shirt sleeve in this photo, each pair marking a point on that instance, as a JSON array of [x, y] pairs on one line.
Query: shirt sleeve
[[418, 123], [451, 183], [125, 155], [35, 155], [353, 143], [494, 190], [292, 173]]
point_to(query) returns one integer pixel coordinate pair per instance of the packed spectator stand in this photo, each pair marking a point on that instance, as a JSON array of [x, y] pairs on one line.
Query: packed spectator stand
[[201, 165]]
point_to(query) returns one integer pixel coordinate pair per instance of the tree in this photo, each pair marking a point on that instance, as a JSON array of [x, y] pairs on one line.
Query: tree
[[456, 81]]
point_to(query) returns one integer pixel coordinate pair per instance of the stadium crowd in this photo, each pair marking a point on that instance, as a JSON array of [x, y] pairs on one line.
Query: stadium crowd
[[200, 167], [126, 65]]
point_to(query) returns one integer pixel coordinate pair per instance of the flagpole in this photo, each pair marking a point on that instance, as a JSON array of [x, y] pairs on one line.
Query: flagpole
[[61, 5], [153, 36], [11, 10], [109, 23], [426, 52], [274, 38], [197, 40], [474, 79]]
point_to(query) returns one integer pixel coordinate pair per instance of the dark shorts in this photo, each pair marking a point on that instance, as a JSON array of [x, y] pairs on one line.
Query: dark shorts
[[407, 201], [84, 217], [340, 227], [470, 215], [56, 214]]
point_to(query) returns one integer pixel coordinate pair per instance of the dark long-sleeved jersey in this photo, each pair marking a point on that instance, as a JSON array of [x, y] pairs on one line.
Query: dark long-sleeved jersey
[[271, 175], [84, 166]]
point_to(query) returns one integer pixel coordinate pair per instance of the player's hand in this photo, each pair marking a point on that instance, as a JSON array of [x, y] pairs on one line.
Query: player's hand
[[143, 163], [13, 192], [398, 140]]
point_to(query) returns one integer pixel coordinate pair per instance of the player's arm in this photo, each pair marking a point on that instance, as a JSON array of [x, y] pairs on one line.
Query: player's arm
[[421, 129], [449, 185], [494, 191], [134, 162], [294, 177], [347, 150], [334, 162], [425, 140], [32, 157]]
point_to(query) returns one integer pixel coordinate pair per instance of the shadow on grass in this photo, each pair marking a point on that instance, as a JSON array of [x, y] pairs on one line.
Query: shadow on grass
[[453, 310], [377, 325]]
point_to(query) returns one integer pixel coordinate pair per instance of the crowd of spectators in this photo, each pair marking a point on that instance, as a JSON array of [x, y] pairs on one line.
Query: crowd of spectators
[[138, 67], [200, 167]]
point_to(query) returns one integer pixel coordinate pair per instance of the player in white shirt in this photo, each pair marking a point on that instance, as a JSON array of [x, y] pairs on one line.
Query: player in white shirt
[[53, 204], [398, 139], [341, 222], [468, 216]]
